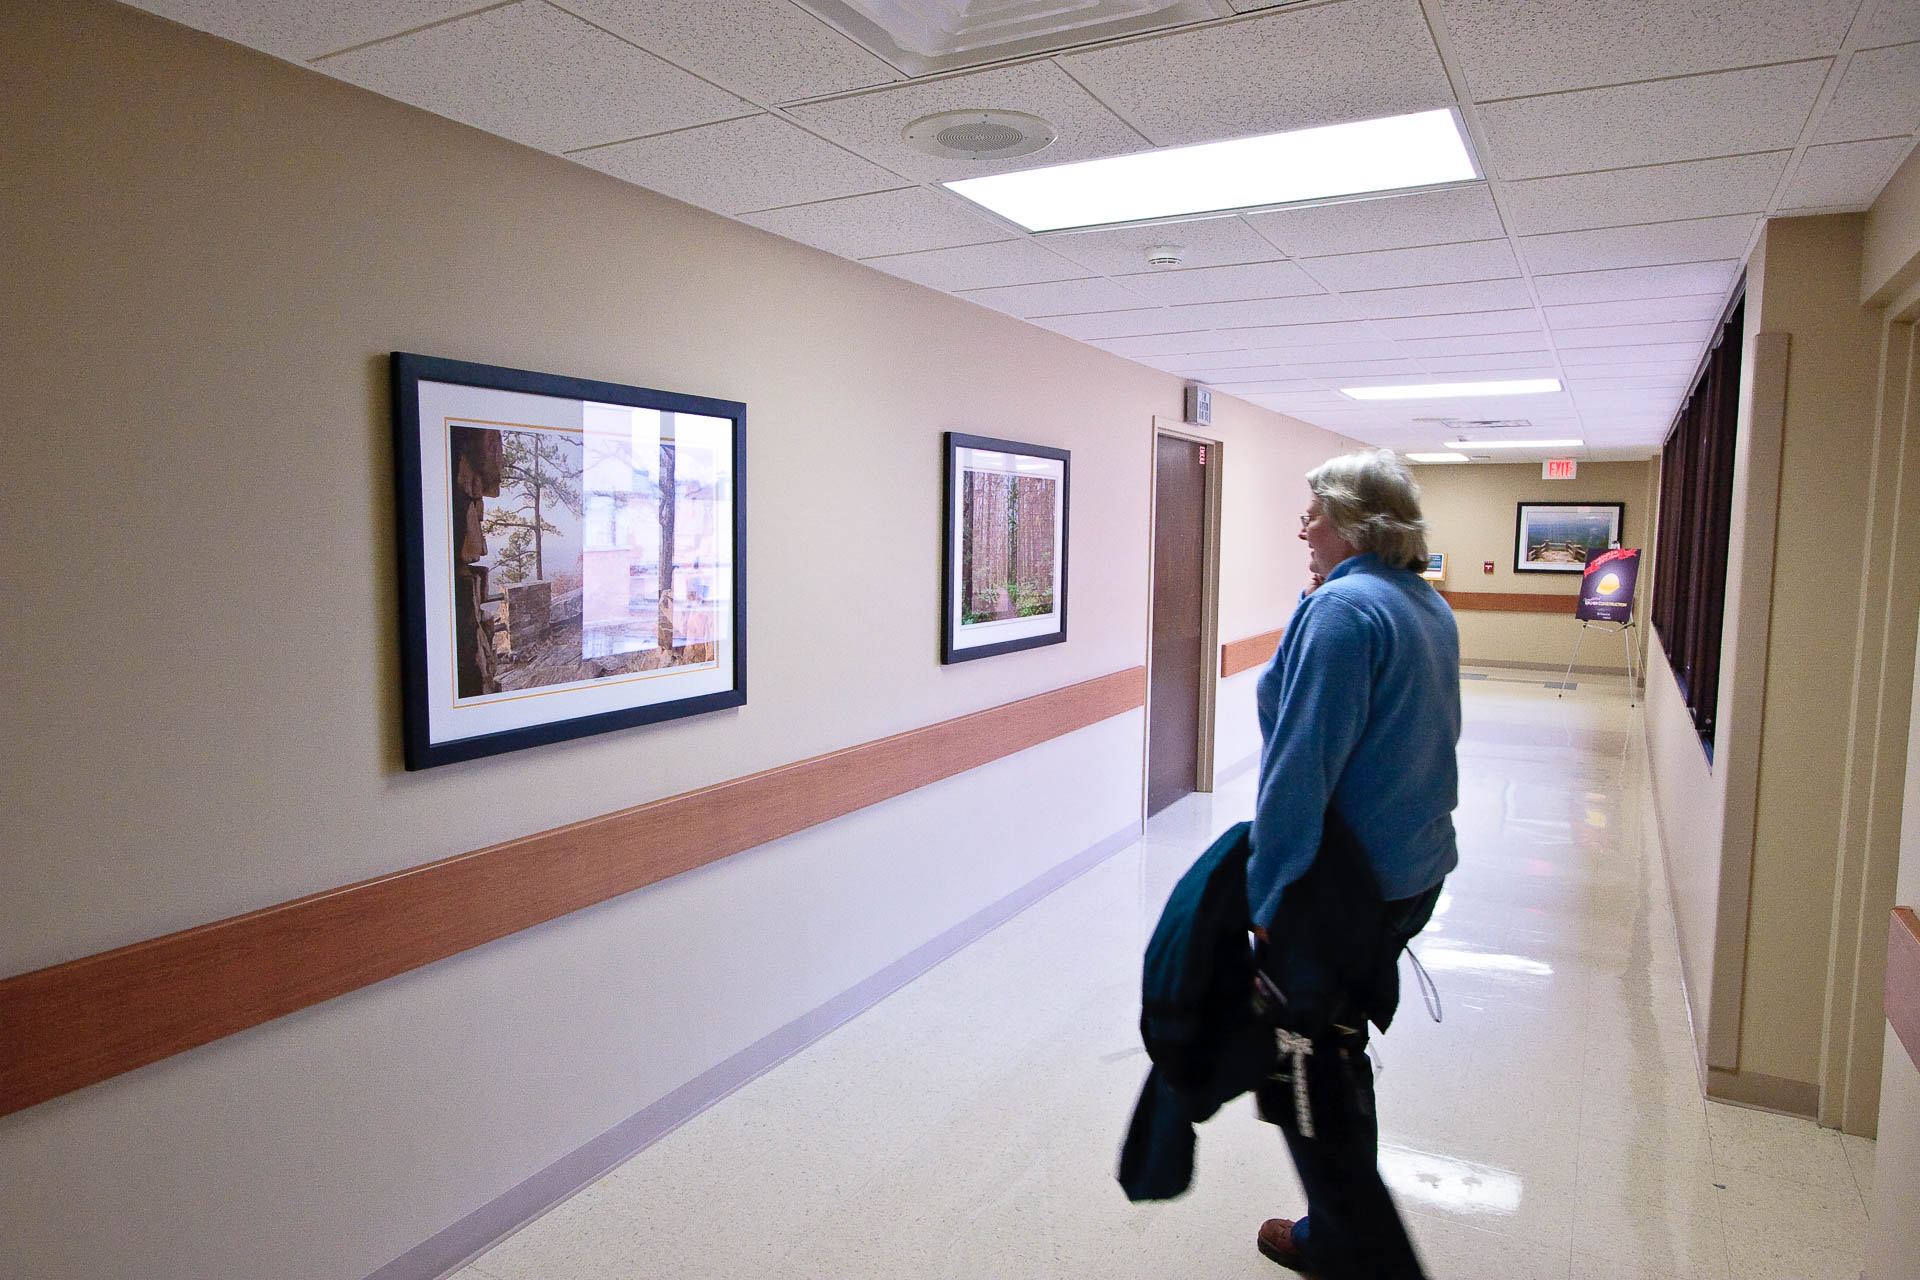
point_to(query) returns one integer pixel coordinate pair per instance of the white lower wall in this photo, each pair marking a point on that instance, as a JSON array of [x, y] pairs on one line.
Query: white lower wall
[[323, 1145], [1236, 725], [1893, 1235], [1689, 810]]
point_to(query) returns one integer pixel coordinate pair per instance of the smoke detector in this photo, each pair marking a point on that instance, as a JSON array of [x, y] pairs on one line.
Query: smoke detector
[[979, 135], [1163, 256]]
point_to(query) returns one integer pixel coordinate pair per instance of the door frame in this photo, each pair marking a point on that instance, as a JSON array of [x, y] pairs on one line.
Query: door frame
[[1209, 597]]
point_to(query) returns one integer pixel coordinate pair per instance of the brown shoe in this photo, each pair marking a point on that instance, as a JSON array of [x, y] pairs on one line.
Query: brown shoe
[[1276, 1241]]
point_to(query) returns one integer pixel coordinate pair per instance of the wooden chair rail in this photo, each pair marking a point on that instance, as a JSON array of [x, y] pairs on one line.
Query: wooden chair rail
[[1242, 655], [78, 1023], [1903, 979], [1509, 602]]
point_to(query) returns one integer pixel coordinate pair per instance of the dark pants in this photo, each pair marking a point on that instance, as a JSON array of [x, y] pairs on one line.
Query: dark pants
[[1351, 1231]]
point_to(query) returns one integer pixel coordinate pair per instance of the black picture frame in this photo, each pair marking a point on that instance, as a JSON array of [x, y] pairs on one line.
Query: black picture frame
[[1584, 529], [1027, 608], [484, 673]]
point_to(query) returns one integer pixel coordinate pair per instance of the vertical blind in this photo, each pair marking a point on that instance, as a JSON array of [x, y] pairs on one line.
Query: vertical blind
[[1696, 507]]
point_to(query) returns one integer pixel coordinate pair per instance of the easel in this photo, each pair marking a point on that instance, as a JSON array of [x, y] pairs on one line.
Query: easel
[[1622, 630]]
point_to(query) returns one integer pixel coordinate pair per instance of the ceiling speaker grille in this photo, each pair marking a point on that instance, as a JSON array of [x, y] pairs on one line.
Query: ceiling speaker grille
[[978, 135]]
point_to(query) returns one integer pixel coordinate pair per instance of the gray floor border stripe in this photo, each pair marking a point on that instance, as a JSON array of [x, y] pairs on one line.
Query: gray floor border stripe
[[486, 1226]]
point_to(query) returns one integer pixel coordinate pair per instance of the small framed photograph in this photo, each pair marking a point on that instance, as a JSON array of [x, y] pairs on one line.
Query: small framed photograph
[[1436, 570], [1004, 562], [570, 556], [1553, 537]]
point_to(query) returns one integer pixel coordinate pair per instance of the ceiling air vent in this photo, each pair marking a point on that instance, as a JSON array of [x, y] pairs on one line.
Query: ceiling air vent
[[979, 135]]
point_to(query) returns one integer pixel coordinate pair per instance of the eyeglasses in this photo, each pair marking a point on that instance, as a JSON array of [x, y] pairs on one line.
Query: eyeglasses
[[1306, 518]]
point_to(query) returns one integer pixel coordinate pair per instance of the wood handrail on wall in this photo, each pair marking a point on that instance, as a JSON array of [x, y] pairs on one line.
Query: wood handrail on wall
[[1903, 979], [78, 1023]]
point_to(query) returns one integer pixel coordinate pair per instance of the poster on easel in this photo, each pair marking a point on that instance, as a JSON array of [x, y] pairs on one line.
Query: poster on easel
[[1606, 588]]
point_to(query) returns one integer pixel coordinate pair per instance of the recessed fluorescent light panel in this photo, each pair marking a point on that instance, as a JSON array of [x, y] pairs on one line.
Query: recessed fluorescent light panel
[[1438, 457], [1445, 390], [1417, 150], [1516, 444]]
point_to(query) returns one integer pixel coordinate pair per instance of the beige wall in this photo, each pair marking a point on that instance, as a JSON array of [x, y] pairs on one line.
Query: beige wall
[[1811, 293], [1471, 509], [1779, 849], [208, 255]]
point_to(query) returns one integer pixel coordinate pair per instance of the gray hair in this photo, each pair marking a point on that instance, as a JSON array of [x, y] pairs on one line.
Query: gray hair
[[1371, 500]]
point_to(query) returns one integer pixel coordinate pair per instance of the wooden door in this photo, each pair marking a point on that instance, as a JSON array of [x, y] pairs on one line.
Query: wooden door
[[1179, 576]]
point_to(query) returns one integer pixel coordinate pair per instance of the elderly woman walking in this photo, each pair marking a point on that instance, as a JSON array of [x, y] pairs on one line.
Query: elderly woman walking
[[1359, 717]]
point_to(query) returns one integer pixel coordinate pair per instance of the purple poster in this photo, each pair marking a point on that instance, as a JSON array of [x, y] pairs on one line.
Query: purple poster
[[1606, 588]]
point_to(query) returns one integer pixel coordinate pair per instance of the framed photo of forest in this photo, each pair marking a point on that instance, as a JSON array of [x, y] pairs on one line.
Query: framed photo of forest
[[1004, 557], [571, 556]]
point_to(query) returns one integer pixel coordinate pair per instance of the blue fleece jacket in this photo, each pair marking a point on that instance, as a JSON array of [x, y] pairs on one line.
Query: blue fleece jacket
[[1360, 708]]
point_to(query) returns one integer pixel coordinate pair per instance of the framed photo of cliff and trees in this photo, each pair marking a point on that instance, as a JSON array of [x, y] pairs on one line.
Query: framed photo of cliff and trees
[[1004, 558], [570, 556]]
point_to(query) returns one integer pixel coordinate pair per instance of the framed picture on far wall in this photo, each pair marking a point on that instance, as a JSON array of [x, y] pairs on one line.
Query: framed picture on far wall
[[1004, 559], [1554, 537], [570, 556]]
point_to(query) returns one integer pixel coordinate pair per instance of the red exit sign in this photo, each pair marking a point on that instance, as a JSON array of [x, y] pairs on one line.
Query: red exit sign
[[1558, 469]]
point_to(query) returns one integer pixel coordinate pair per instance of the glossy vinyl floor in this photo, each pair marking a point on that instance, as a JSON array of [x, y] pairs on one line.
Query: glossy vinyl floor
[[1550, 1126]]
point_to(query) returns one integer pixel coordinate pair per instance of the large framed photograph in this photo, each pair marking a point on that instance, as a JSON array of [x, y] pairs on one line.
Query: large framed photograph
[[1004, 563], [570, 556], [1552, 537]]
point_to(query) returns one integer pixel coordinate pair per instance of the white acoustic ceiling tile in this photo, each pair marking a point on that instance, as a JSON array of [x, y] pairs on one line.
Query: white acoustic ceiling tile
[[1441, 299], [870, 122], [1879, 94], [1276, 386], [1475, 344], [1627, 335], [1343, 369], [1638, 311], [1623, 398], [1312, 335], [1265, 312], [298, 32], [1297, 67], [1495, 368], [1056, 298], [536, 75], [978, 266], [1326, 351], [1525, 320], [1435, 264], [1118, 324], [1167, 344], [1606, 379], [1223, 284], [1675, 370], [1654, 245], [1452, 215], [1206, 242], [1638, 282], [1655, 353], [1729, 112], [1198, 363], [1245, 372], [1654, 193], [1890, 22], [758, 163], [1291, 400], [1515, 47], [1846, 175], [907, 220], [768, 50]]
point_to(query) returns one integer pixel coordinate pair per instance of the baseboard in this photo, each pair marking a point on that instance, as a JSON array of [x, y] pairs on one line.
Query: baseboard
[[486, 1226], [1764, 1093], [1245, 764]]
